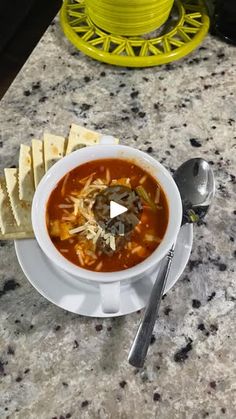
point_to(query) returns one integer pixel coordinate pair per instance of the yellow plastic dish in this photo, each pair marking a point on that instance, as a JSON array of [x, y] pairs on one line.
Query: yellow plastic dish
[[186, 33]]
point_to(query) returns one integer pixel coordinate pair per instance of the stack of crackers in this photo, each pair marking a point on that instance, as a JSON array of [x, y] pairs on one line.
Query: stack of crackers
[[18, 185]]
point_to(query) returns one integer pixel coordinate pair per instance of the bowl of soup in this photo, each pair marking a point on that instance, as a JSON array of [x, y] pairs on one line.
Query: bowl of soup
[[107, 213]]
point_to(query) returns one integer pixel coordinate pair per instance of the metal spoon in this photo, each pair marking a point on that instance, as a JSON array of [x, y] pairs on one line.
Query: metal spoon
[[196, 184]]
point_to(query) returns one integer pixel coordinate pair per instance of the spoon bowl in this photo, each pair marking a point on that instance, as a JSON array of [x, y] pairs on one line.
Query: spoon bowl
[[196, 184]]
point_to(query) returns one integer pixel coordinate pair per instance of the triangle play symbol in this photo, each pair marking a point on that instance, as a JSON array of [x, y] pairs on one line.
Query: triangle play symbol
[[116, 209]]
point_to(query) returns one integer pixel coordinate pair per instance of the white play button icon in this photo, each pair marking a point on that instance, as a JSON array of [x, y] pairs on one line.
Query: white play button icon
[[116, 209]]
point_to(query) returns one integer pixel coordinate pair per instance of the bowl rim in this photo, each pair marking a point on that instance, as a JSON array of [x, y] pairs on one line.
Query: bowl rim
[[68, 163]]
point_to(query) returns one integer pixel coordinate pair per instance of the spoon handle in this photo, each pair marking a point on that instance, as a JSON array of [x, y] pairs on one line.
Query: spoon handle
[[142, 339]]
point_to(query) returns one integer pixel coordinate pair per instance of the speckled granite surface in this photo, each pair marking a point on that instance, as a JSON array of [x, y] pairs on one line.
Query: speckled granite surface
[[54, 364]]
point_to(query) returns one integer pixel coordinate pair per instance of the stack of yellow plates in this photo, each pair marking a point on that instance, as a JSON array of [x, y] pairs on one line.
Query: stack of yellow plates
[[128, 17]]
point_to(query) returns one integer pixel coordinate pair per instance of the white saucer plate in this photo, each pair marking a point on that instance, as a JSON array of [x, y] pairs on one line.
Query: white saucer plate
[[80, 297]]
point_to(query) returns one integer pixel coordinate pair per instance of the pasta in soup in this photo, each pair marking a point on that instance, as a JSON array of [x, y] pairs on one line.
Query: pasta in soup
[[78, 220]]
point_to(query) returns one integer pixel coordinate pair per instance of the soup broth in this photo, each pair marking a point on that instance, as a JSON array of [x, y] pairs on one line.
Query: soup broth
[[75, 232]]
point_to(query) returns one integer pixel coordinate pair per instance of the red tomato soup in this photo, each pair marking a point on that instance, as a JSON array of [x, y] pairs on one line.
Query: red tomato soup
[[74, 227]]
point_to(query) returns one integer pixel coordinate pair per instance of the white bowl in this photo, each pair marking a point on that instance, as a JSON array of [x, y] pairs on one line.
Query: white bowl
[[109, 281]]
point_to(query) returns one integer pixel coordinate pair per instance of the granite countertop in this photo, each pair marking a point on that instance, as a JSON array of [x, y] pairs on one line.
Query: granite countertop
[[54, 364]]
